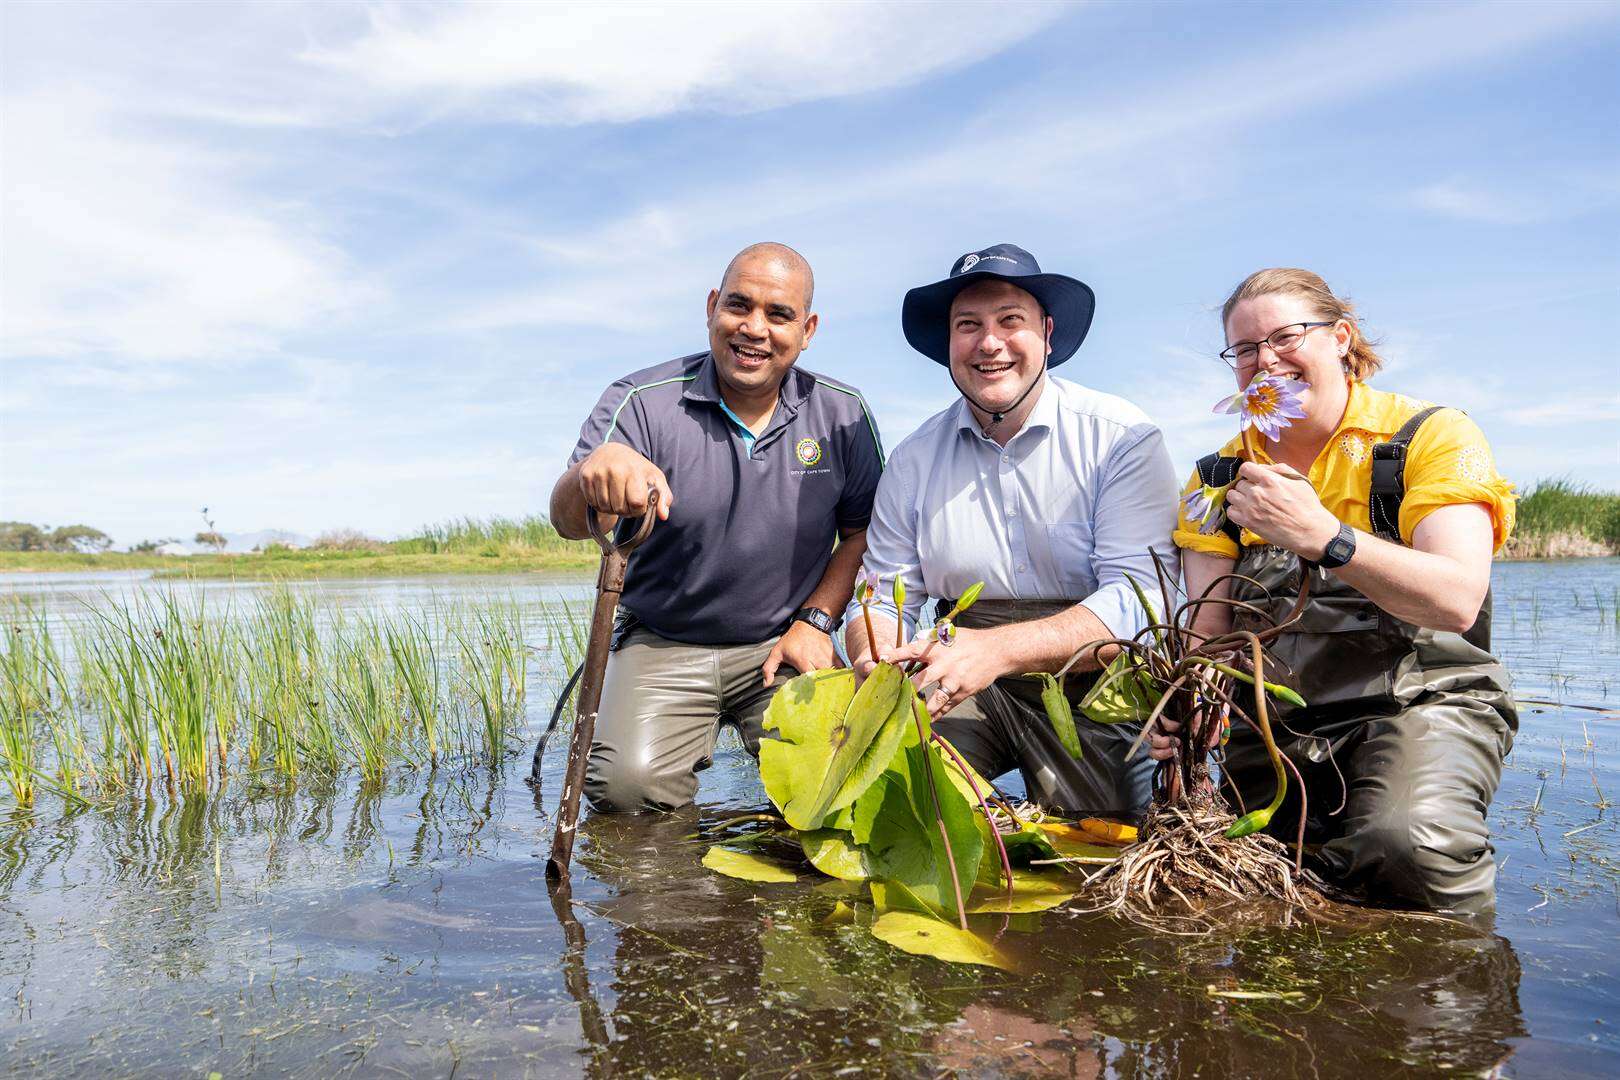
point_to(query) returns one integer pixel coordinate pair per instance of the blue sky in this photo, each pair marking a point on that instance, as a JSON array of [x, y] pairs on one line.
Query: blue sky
[[369, 265]]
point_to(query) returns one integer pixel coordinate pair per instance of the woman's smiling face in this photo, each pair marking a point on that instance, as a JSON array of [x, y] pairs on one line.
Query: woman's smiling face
[[1318, 359]]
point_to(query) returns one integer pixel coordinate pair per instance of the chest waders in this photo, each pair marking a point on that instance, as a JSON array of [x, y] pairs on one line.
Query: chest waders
[[1417, 722]]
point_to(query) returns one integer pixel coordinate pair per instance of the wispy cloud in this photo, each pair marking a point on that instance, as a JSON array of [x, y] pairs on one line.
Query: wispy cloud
[[127, 243], [1531, 201], [575, 63]]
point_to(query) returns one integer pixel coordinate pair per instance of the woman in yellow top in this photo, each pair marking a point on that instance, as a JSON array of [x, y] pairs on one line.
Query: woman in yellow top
[[1391, 653]]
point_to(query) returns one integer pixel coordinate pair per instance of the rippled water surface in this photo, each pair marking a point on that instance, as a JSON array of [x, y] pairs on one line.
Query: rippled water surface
[[407, 929]]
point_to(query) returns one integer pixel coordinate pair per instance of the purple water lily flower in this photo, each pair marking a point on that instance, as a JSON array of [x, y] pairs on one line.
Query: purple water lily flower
[[866, 586], [1205, 506], [1268, 404], [945, 632]]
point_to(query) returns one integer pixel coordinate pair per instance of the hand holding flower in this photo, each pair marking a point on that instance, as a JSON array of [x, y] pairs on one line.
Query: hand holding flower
[[974, 660], [1279, 505]]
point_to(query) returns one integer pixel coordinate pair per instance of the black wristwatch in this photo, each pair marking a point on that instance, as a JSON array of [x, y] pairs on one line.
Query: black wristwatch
[[1339, 550], [817, 618]]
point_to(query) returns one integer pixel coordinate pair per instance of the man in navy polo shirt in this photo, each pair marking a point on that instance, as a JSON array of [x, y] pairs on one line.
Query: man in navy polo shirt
[[760, 468]]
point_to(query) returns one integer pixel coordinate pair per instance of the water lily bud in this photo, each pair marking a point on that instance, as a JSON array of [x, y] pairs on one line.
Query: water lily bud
[[967, 600], [899, 594]]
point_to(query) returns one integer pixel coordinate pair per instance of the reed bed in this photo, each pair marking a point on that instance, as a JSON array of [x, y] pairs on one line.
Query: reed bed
[[163, 693], [1561, 519], [493, 536]]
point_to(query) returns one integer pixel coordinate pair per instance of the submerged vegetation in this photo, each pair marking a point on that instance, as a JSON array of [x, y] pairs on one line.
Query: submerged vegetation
[[163, 692]]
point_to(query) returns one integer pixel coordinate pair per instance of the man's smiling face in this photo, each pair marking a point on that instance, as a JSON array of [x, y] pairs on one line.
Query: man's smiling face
[[759, 323], [999, 342]]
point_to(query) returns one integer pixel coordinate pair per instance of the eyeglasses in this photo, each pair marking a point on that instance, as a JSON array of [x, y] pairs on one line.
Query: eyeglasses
[[1282, 340]]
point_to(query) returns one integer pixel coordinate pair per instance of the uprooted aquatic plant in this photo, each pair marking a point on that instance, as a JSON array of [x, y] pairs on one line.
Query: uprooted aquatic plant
[[1192, 850]]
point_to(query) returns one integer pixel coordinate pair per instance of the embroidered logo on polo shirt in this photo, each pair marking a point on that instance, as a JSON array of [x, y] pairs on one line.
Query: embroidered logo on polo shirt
[[808, 451]]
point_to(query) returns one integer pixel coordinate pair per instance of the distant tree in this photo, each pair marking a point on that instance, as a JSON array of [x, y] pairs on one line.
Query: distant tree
[[21, 536], [146, 547], [80, 538], [211, 539]]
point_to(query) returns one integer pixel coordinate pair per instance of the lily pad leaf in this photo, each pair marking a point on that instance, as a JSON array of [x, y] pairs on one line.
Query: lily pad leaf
[[1121, 694], [835, 853], [895, 819], [832, 740], [924, 935], [1033, 890], [745, 867]]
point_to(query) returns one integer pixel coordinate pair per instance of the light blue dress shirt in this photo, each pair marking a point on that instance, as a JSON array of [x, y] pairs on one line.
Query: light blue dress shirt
[[1066, 510]]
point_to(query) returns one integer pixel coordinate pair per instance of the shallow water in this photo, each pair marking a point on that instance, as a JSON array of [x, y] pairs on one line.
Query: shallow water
[[408, 929]]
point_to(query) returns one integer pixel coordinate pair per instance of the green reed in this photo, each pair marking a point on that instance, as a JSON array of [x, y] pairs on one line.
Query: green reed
[[165, 692], [416, 664], [494, 666], [494, 536], [25, 686]]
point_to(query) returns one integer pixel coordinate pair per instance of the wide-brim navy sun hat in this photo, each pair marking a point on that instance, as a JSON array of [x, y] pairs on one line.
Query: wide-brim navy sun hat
[[925, 315]]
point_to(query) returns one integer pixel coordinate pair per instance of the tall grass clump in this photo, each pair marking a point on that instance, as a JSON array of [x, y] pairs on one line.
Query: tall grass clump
[[163, 694], [1562, 518], [495, 536], [494, 668]]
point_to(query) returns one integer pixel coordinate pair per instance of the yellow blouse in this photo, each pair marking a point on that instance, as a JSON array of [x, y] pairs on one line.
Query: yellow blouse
[[1449, 462]]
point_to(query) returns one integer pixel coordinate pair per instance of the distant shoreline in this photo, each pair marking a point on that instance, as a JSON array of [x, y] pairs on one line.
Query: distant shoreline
[[343, 564], [300, 564]]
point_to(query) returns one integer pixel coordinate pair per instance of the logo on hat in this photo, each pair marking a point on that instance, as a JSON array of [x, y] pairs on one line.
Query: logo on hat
[[808, 451], [969, 262]]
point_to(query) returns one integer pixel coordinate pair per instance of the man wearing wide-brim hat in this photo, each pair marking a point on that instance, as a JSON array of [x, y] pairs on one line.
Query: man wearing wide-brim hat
[[1050, 493]]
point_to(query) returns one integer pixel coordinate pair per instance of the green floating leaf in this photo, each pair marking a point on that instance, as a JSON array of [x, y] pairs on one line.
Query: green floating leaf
[[1033, 890], [895, 896], [1060, 714], [745, 867], [832, 740], [835, 853], [895, 821], [925, 935], [1121, 694]]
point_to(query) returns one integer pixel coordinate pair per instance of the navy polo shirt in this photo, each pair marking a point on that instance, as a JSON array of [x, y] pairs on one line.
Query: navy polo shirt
[[754, 519]]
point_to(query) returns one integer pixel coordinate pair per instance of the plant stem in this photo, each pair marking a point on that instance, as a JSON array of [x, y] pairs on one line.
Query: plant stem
[[995, 834], [939, 818]]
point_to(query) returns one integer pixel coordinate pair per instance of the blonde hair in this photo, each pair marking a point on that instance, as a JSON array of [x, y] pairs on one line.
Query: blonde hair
[[1361, 361]]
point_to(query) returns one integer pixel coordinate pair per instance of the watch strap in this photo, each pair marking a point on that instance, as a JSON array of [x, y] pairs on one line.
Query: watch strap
[[817, 618], [1340, 550]]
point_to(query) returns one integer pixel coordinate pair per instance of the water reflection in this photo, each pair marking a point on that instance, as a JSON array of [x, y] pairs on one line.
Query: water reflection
[[406, 926]]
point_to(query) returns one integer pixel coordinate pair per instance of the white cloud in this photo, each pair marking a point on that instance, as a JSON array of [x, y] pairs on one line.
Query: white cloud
[[1543, 198], [133, 244], [588, 62]]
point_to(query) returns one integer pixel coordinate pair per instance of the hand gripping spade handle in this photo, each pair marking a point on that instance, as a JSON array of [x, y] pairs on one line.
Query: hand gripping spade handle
[[609, 585]]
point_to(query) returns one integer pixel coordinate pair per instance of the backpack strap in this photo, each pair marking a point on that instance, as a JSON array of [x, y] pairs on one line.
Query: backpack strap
[[1388, 485], [1217, 471]]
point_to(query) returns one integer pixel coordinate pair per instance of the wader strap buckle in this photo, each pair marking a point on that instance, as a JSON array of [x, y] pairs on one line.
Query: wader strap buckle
[[1218, 472], [1388, 485]]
